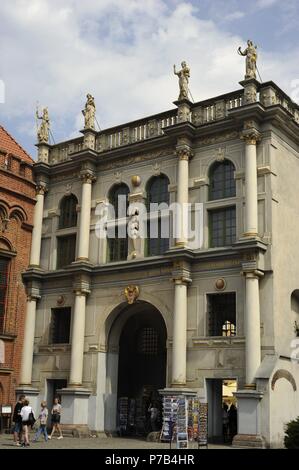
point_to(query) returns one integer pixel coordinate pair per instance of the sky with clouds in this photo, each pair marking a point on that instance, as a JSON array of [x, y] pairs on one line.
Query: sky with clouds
[[53, 52]]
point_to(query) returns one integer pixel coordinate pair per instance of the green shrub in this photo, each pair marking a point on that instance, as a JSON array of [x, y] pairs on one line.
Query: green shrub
[[291, 440]]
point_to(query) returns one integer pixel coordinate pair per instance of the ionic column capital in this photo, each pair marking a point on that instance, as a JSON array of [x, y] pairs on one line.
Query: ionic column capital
[[87, 176], [33, 297], [82, 291], [182, 281]]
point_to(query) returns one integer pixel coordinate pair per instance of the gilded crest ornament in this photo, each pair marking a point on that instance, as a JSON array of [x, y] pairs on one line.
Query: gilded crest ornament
[[131, 293]]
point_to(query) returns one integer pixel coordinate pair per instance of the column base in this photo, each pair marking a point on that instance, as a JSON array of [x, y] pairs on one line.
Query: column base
[[75, 430], [249, 440], [31, 393], [74, 418], [249, 418]]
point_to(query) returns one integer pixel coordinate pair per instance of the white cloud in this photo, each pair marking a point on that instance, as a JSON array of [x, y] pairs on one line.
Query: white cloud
[[266, 3], [235, 15], [122, 51]]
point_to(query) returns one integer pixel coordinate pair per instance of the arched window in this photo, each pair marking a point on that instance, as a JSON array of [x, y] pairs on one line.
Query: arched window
[[157, 190], [117, 232], [158, 224], [222, 182], [68, 212], [118, 198]]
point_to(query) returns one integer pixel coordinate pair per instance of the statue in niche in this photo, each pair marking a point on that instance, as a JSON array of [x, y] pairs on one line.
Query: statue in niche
[[184, 75], [89, 113], [134, 229], [44, 129], [251, 57]]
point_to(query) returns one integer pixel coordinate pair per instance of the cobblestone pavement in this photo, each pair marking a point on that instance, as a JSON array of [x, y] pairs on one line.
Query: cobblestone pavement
[[6, 442]]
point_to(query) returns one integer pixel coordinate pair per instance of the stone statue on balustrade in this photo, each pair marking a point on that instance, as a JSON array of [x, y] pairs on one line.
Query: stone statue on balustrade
[[251, 57], [44, 129], [89, 113], [184, 75]]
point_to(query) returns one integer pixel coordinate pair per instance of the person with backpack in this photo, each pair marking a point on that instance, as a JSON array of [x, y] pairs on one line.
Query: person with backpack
[[17, 419], [43, 417], [28, 420]]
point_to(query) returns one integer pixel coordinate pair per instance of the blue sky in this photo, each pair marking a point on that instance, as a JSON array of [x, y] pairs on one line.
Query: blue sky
[[122, 51]]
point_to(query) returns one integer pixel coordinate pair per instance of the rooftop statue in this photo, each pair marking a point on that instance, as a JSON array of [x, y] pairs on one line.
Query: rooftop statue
[[89, 113], [183, 75], [251, 58], [43, 131]]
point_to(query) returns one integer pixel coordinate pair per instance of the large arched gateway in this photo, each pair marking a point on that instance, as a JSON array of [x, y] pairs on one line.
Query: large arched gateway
[[136, 366]]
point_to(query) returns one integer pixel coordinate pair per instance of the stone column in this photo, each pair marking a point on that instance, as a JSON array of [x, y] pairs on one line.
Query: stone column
[[184, 154], [37, 225], [179, 338], [84, 230], [27, 356], [252, 324], [251, 137], [78, 330]]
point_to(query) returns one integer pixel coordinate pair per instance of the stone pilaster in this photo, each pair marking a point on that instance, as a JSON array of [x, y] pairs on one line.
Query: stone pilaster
[[87, 176], [181, 279], [251, 136], [43, 151], [184, 154], [184, 110], [81, 290], [89, 138], [251, 86], [41, 190], [29, 331], [252, 322]]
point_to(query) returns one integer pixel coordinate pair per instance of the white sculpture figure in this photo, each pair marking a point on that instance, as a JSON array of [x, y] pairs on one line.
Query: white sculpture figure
[[251, 58], [89, 112], [43, 131], [134, 229], [183, 75]]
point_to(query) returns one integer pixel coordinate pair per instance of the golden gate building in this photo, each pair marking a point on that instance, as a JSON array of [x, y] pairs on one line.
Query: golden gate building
[[107, 318]]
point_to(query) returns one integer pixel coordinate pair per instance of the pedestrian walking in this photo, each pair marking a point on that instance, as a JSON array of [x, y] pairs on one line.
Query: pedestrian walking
[[43, 418], [28, 420], [17, 419], [55, 418]]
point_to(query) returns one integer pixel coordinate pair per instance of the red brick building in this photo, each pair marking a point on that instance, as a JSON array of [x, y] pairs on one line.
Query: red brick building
[[17, 200]]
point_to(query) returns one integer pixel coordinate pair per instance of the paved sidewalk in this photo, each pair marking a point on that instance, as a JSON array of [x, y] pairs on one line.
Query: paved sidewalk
[[6, 442]]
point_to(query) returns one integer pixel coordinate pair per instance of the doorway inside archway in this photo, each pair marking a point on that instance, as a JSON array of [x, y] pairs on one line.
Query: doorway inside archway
[[141, 371]]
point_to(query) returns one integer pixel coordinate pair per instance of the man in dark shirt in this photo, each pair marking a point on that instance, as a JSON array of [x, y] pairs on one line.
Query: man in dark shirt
[[17, 419]]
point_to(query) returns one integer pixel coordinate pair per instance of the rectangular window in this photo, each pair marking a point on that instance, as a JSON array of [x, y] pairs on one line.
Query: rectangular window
[[4, 265], [222, 223], [117, 243], [156, 244], [222, 314], [60, 325], [66, 250]]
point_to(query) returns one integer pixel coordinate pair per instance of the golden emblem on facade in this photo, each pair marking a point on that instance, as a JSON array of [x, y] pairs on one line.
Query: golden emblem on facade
[[132, 294]]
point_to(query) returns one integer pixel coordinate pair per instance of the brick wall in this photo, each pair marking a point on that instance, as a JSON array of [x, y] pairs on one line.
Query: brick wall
[[17, 196]]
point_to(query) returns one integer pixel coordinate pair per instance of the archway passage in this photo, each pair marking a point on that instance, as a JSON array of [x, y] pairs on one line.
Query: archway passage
[[141, 368]]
